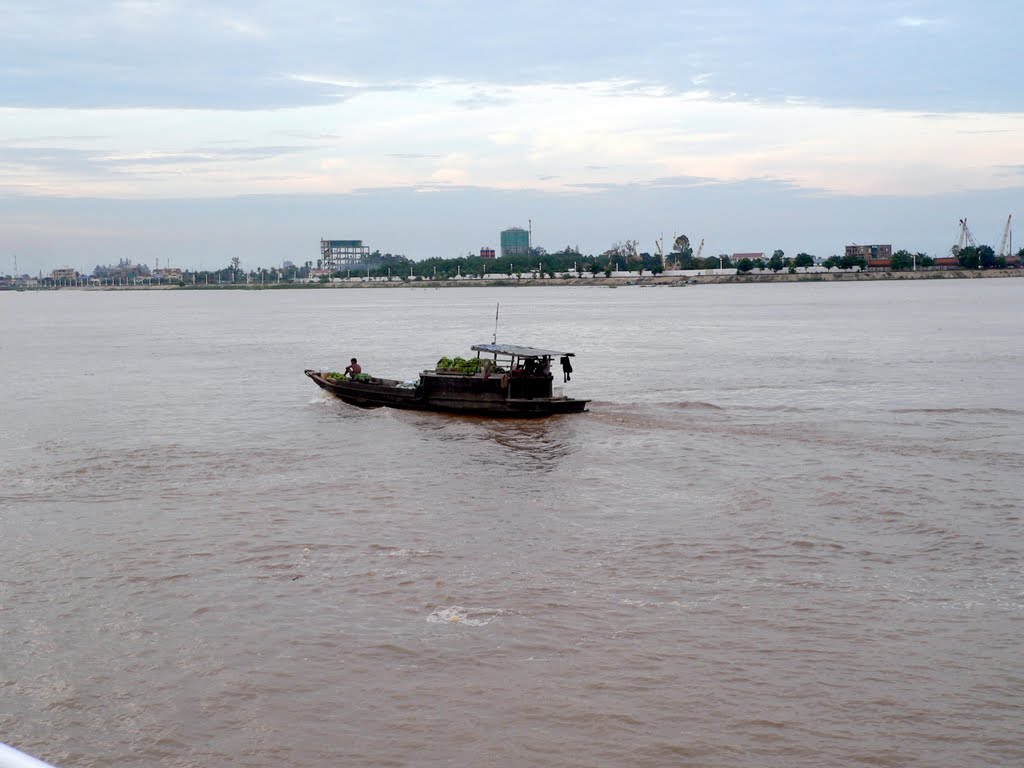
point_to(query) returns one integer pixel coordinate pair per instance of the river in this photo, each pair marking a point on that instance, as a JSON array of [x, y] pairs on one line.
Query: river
[[788, 532]]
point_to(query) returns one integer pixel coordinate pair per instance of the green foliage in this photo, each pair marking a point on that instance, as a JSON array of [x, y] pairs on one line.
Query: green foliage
[[977, 257], [902, 259], [460, 365], [336, 376], [552, 264]]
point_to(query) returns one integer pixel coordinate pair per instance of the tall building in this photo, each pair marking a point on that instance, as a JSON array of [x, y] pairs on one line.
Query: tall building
[[874, 255], [515, 241], [338, 254]]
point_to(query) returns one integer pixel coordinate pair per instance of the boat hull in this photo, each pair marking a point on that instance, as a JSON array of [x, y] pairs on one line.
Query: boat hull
[[471, 395]]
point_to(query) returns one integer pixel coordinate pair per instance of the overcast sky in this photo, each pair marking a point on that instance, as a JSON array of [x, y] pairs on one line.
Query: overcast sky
[[191, 132]]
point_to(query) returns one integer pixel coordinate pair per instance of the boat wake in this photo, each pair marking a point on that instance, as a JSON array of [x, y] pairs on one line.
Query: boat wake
[[693, 404], [995, 411]]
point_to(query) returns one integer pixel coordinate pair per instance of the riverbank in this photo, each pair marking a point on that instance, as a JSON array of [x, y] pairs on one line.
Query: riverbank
[[938, 274], [612, 282], [660, 280]]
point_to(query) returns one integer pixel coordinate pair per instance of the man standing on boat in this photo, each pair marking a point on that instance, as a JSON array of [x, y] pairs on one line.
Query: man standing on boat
[[353, 368], [566, 368]]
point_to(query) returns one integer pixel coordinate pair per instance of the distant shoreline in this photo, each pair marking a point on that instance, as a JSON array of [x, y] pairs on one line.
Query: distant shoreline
[[643, 280]]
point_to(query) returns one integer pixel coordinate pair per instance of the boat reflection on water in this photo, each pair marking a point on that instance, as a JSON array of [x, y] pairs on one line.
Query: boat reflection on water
[[541, 446], [516, 446]]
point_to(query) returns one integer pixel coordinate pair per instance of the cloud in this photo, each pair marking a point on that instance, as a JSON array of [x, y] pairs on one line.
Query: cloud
[[681, 182], [28, 162], [245, 28], [584, 103], [483, 100], [917, 22], [412, 156], [563, 135], [233, 55]]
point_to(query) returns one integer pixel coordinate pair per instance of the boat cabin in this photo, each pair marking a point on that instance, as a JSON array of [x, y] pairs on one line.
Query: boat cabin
[[528, 368]]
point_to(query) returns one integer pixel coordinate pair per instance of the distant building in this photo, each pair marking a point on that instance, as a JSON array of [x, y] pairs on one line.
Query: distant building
[[64, 273], [124, 271], [876, 256], [486, 253], [171, 274], [338, 254], [515, 241], [752, 256]]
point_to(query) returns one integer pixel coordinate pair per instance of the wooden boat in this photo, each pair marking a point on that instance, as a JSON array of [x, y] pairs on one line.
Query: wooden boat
[[509, 381]]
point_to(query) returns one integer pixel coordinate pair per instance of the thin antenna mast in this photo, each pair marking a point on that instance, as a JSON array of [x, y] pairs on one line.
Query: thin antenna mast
[[494, 339]]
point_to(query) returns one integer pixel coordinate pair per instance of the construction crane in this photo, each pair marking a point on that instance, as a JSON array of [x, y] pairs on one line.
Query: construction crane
[[699, 249], [965, 239], [1006, 234]]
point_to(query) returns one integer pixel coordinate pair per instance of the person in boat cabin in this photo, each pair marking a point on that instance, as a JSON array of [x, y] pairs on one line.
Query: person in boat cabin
[[353, 368]]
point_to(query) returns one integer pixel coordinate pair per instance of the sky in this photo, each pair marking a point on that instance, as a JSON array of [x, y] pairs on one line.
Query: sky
[[192, 132]]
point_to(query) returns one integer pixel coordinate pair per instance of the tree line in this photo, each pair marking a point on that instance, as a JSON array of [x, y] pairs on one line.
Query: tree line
[[621, 256]]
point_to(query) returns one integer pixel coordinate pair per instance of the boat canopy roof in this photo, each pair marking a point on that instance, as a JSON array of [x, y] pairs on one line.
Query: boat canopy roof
[[518, 351]]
